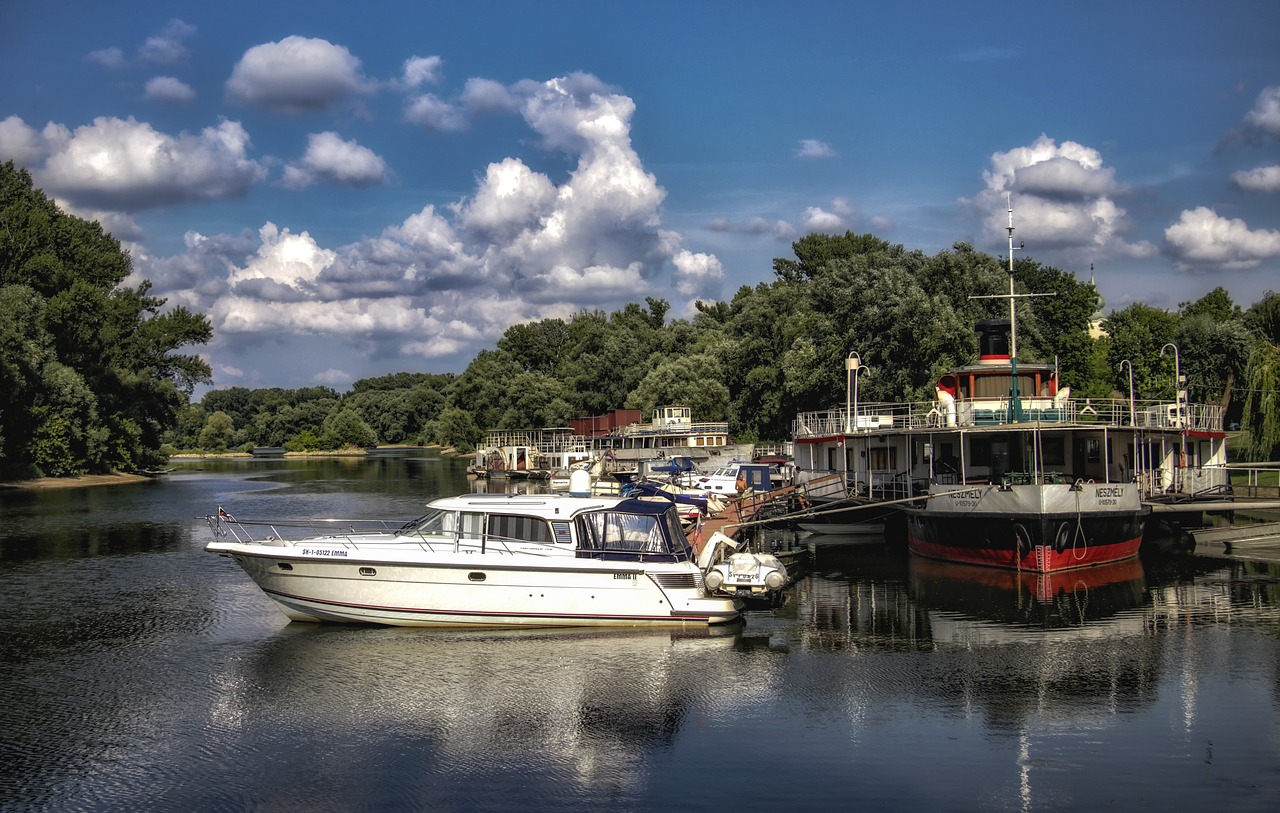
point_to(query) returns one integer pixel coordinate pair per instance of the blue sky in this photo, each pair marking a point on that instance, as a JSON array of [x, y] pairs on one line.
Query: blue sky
[[355, 189]]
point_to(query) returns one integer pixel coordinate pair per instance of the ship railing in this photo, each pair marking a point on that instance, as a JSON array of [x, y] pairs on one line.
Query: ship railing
[[876, 418], [284, 532], [645, 429]]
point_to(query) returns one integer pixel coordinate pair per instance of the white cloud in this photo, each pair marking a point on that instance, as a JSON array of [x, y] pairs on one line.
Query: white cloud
[[111, 58], [433, 112], [167, 47], [419, 70], [296, 75], [126, 165], [292, 260], [170, 90], [331, 377], [20, 143], [812, 148], [511, 198], [1265, 115], [817, 219], [486, 95], [1203, 240], [1261, 179], [330, 159], [1064, 197], [522, 246], [698, 275]]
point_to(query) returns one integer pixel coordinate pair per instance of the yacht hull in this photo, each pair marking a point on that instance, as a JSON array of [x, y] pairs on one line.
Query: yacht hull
[[476, 593]]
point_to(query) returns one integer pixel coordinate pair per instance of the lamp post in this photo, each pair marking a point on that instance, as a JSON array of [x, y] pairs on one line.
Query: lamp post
[[1133, 422], [1133, 419], [853, 366], [1177, 378]]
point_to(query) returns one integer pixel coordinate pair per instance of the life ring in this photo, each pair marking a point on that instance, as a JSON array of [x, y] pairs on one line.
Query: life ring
[[1022, 538], [1063, 537]]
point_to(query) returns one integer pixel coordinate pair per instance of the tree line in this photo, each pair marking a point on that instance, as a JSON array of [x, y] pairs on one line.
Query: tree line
[[90, 376]]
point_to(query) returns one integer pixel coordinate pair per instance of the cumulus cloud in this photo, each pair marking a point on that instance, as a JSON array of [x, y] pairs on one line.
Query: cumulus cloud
[[1064, 196], [165, 48], [812, 148], [169, 46], [22, 144], [111, 58], [296, 75], [524, 245], [419, 70], [329, 159], [435, 113], [698, 275], [126, 165], [1265, 115], [478, 97], [1203, 240], [1261, 179], [837, 216], [170, 90], [488, 96]]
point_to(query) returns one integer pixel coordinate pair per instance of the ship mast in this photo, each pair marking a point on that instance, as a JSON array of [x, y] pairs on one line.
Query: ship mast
[[1015, 397]]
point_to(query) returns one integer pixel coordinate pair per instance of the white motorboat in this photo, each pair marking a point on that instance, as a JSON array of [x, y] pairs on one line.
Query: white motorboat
[[484, 560]]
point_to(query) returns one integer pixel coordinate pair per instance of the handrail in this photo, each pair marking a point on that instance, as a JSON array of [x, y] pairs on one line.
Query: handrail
[[877, 418]]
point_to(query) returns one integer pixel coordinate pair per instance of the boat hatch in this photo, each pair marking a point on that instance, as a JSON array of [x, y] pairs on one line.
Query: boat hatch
[[635, 531]]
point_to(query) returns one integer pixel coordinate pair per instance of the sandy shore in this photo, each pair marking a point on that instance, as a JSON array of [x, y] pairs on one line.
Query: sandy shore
[[44, 483]]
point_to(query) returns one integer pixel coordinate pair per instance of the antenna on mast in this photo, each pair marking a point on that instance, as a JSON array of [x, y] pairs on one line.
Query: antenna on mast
[[1013, 316], [1015, 399]]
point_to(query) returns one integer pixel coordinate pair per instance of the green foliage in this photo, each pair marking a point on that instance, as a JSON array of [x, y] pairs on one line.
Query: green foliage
[[1263, 318], [218, 433], [694, 381], [1261, 419], [344, 428], [1216, 305], [1139, 334], [90, 376], [457, 429]]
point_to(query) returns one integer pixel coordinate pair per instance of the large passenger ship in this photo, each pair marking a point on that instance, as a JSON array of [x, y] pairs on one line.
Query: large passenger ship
[[1004, 467]]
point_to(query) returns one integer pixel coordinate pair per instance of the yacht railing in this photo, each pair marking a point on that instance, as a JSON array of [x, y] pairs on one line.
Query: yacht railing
[[874, 418]]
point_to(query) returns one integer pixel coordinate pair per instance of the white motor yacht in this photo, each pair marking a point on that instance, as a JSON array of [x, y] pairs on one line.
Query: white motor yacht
[[484, 560]]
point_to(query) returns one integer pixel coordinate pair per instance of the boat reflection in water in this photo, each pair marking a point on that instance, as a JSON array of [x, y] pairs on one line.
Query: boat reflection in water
[[577, 708], [1070, 599]]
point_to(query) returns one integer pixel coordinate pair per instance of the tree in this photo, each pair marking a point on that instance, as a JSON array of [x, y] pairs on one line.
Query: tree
[[1138, 334], [119, 382], [1261, 414], [693, 381], [218, 432], [1261, 419], [457, 429], [1216, 305], [344, 428]]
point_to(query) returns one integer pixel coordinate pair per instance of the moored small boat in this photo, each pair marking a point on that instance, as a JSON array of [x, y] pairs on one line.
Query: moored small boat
[[485, 561]]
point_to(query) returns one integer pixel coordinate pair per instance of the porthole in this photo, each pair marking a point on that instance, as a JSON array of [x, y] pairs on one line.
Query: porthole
[[368, 571], [476, 577], [284, 565]]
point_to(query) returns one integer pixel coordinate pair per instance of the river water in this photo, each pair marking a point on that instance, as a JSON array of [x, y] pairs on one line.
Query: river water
[[140, 673]]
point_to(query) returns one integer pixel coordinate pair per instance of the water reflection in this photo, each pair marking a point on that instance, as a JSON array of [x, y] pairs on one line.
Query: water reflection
[[141, 673]]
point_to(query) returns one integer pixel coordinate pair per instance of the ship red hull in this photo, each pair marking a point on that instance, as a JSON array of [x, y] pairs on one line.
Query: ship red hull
[[1041, 544]]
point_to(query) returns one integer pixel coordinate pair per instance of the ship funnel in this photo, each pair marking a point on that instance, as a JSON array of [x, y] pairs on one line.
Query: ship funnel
[[993, 341]]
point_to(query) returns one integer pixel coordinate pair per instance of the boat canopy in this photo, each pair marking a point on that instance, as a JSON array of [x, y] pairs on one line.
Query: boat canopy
[[634, 530]]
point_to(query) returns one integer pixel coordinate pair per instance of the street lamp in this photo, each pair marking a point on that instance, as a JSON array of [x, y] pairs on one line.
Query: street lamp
[[1177, 378], [853, 366], [1133, 422], [1133, 419]]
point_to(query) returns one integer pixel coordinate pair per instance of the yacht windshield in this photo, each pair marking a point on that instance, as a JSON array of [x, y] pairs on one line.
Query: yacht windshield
[[433, 523], [655, 533]]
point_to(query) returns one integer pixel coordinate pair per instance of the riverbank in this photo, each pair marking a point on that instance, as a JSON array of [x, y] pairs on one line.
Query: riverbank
[[47, 483]]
